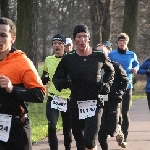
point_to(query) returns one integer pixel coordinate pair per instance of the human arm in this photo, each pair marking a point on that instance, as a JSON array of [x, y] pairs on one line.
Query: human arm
[[21, 93], [121, 81], [135, 65], [31, 88], [61, 79], [122, 78], [45, 77], [108, 77], [144, 67]]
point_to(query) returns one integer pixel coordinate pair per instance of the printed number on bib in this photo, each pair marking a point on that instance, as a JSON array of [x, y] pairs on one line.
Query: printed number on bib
[[5, 125], [87, 108], [59, 103], [104, 97]]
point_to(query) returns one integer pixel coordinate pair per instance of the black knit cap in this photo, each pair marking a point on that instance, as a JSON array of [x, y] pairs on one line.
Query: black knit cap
[[59, 37], [80, 28]]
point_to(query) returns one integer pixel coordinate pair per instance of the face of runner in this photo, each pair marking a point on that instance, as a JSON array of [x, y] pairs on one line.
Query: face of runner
[[58, 48], [6, 38], [68, 47], [122, 44], [82, 41]]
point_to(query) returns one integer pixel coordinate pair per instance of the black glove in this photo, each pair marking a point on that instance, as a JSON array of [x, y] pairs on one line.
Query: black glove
[[119, 96], [64, 84], [148, 72]]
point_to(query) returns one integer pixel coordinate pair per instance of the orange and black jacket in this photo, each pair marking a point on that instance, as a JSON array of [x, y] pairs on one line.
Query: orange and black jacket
[[27, 85]]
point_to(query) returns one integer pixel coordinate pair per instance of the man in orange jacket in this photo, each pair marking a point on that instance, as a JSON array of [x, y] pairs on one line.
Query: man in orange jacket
[[19, 84]]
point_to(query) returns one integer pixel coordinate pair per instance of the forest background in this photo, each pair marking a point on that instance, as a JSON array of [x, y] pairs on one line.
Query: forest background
[[38, 20]]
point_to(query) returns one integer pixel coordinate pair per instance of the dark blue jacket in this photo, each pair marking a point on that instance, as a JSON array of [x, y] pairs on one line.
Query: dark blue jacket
[[142, 70]]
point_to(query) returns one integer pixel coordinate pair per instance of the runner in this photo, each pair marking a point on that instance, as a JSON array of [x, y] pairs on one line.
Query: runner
[[68, 45], [19, 84], [83, 66], [58, 102], [128, 60], [145, 70], [111, 109]]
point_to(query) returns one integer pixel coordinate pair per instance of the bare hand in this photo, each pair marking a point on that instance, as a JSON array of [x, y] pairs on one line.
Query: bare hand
[[134, 71], [6, 83]]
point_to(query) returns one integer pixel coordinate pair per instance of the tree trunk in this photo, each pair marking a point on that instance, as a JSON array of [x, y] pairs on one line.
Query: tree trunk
[[106, 22], [130, 22], [100, 19], [35, 34], [4, 6], [44, 27], [27, 12], [95, 17]]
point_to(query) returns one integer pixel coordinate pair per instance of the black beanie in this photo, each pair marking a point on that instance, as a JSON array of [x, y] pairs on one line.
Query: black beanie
[[80, 28], [59, 37]]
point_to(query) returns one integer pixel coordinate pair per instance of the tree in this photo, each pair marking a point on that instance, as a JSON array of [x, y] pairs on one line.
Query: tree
[[100, 19], [131, 21], [4, 6], [44, 27], [27, 37]]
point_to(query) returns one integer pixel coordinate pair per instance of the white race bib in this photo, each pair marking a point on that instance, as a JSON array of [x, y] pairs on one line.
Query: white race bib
[[87, 108], [104, 97], [5, 125], [59, 103]]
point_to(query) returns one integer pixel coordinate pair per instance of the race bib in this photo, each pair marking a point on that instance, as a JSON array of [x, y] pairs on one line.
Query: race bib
[[104, 97], [87, 108], [5, 125], [59, 103]]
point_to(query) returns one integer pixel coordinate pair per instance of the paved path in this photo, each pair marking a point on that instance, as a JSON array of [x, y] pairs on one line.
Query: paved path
[[139, 131]]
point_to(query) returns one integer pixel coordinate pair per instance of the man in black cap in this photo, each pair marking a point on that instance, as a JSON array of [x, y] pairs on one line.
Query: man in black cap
[[57, 101], [83, 66]]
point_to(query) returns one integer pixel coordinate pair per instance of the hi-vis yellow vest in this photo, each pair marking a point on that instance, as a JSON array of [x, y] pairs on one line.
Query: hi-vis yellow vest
[[51, 63]]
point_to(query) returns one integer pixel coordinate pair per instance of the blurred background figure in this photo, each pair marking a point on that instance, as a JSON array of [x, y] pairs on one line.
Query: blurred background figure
[[55, 97], [145, 70], [108, 45], [128, 60], [111, 118], [68, 45]]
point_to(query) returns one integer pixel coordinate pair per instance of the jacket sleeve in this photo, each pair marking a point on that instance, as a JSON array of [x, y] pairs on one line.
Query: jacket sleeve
[[31, 88], [144, 66], [135, 63], [122, 76], [35, 95], [61, 79], [108, 76]]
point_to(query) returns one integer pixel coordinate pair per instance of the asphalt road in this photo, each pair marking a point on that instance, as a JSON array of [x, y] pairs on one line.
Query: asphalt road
[[139, 131]]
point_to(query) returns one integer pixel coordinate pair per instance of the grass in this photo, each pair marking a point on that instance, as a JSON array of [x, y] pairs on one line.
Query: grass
[[37, 114], [37, 111]]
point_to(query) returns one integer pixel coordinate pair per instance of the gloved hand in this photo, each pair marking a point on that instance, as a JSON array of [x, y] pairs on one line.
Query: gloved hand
[[105, 89], [148, 72], [64, 84], [119, 96]]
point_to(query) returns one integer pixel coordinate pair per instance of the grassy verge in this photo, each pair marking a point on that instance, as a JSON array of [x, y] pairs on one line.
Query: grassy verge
[[37, 113], [39, 121]]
